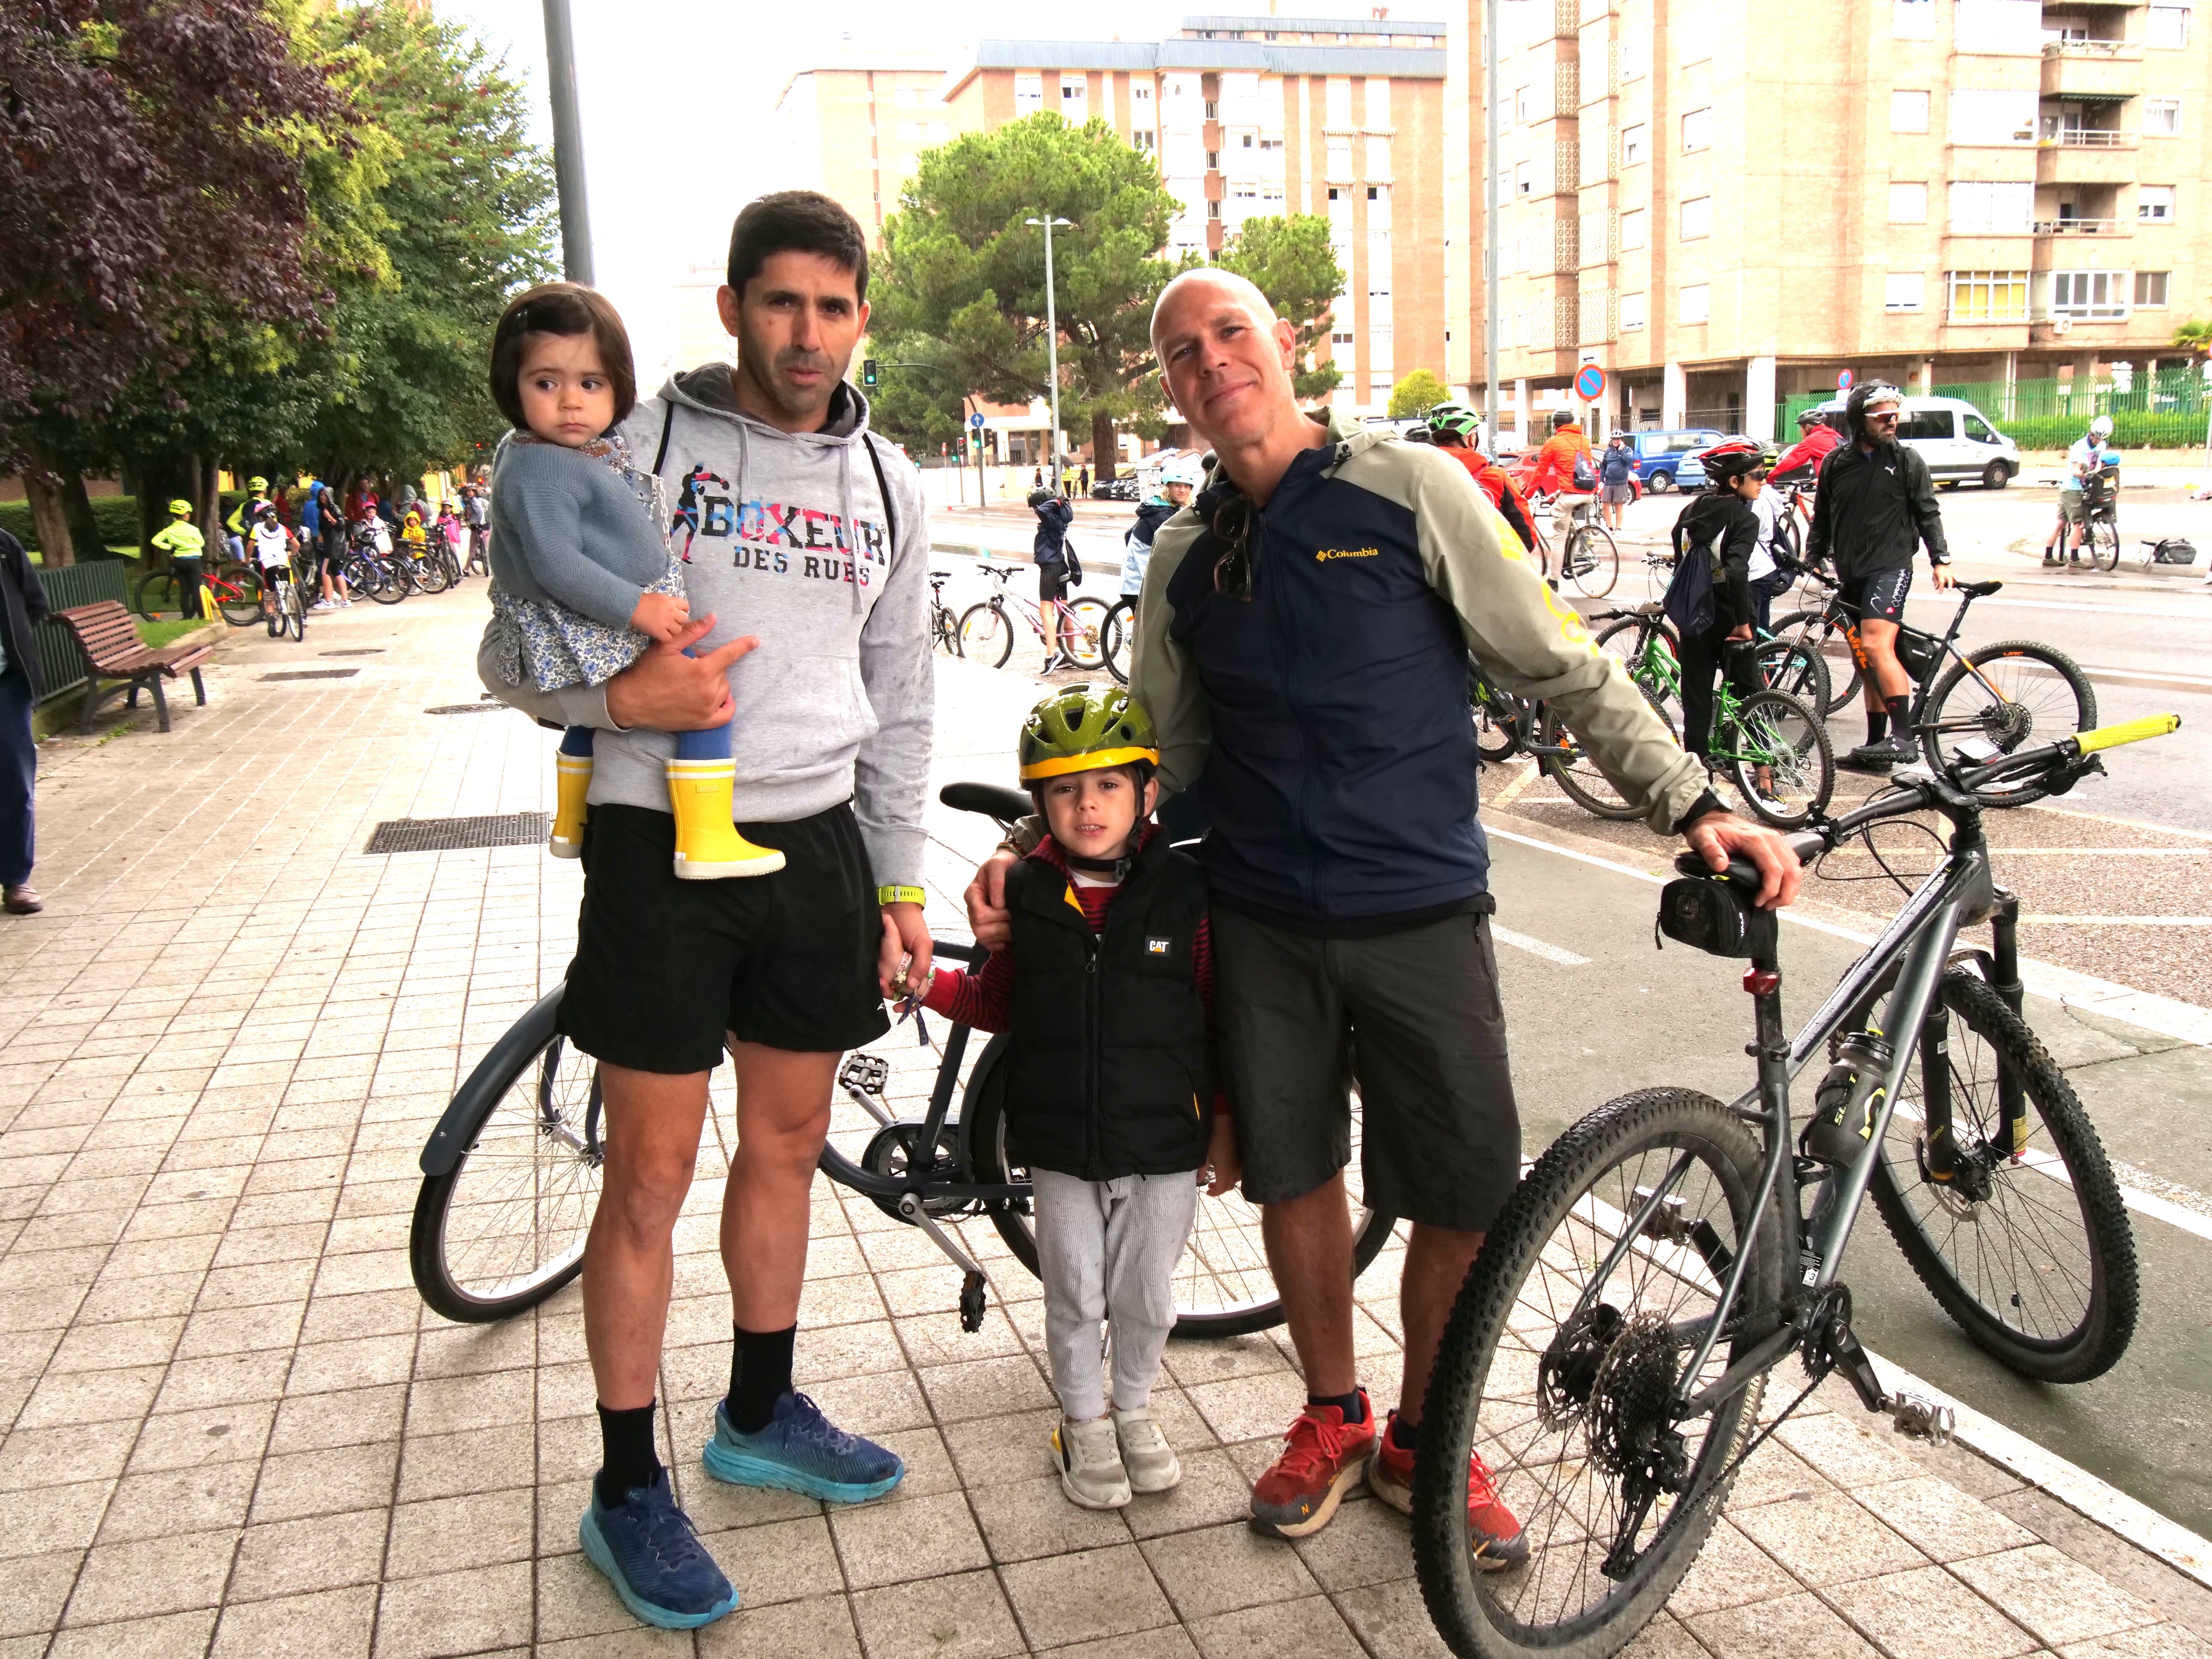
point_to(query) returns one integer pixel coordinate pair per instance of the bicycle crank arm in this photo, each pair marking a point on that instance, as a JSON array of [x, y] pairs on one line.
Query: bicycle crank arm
[[910, 1209]]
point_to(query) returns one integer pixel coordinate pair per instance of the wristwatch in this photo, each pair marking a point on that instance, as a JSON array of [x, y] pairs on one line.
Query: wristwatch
[[894, 894]]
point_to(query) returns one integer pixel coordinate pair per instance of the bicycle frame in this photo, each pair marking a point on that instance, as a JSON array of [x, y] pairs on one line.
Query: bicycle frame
[[1945, 645]]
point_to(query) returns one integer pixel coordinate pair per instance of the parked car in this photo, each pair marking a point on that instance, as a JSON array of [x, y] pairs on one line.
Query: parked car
[[1959, 442], [1122, 487], [1667, 460]]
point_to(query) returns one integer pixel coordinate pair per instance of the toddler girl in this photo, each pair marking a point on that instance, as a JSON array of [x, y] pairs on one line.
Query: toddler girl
[[581, 574]]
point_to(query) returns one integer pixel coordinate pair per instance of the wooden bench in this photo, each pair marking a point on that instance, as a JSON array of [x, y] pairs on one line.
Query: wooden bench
[[108, 636]]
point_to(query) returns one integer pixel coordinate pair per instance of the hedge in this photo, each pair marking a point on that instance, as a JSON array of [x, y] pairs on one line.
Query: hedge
[[115, 515], [2132, 429]]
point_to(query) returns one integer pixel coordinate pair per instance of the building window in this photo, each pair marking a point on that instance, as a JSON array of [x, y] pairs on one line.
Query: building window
[[1993, 116], [1989, 296], [1378, 158], [1908, 112], [1696, 303], [2150, 290], [1378, 102], [1697, 129], [1141, 93], [2098, 295], [1913, 19], [1339, 101], [1520, 103], [1635, 59], [1632, 146], [1029, 94], [1697, 217], [1903, 290], [2169, 26], [1632, 230], [1340, 158], [2154, 202], [1981, 208], [1524, 180], [1632, 310], [1908, 205], [2162, 118], [1146, 139]]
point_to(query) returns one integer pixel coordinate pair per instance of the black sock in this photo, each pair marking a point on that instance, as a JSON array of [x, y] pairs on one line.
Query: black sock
[[1406, 1436], [1900, 710], [1353, 1405], [626, 1440], [1877, 724], [760, 1375]]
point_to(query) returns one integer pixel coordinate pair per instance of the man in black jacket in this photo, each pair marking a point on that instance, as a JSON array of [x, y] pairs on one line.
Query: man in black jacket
[[22, 607], [1874, 505], [1050, 551], [1720, 523]]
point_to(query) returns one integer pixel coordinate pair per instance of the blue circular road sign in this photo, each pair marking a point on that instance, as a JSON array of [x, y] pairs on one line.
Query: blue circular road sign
[[976, 421], [1844, 381], [1589, 383]]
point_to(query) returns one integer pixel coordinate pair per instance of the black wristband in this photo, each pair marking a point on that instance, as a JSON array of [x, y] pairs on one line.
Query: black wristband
[[1706, 803]]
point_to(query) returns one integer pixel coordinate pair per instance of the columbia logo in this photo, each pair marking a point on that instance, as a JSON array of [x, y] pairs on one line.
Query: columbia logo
[[1328, 553]]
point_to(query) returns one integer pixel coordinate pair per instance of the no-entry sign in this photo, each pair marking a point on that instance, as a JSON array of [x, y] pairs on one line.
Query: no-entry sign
[[1589, 383]]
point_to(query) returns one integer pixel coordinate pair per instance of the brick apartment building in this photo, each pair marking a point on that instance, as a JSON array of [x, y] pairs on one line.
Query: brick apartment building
[[1724, 211], [851, 129]]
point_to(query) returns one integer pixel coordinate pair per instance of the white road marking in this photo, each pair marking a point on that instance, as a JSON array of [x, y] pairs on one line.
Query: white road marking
[[2121, 921], [1537, 947], [2060, 852]]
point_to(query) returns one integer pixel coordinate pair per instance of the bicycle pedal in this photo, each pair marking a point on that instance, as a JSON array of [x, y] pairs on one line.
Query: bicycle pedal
[[1922, 1420], [869, 1073]]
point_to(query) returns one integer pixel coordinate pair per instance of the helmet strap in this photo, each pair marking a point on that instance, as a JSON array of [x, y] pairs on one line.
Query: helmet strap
[[1117, 868]]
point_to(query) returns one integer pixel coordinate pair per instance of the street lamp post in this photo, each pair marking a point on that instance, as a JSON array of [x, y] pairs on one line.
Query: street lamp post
[[1052, 336], [567, 144], [1490, 240]]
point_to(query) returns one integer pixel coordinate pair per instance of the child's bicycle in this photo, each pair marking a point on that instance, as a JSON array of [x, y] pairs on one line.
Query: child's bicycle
[[988, 629], [511, 1174], [286, 608], [1608, 1352], [233, 591]]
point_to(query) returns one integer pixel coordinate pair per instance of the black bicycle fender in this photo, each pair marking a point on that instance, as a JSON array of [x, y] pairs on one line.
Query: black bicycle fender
[[525, 1037]]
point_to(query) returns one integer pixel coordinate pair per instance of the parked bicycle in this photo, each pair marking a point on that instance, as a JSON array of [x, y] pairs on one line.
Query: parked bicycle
[[286, 609], [1608, 1354], [511, 1174], [2100, 514], [988, 629], [233, 591], [1117, 636], [943, 626], [1590, 560]]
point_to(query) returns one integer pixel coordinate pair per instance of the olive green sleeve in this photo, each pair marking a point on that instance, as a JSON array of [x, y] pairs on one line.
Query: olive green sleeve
[[1162, 677]]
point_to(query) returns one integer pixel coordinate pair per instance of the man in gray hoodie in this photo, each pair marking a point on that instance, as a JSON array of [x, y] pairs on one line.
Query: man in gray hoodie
[[807, 542]]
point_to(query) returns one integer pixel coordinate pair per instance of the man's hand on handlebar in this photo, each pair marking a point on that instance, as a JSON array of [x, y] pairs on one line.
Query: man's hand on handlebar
[[1716, 836]]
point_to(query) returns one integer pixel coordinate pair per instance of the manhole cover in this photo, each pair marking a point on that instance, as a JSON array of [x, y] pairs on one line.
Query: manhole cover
[[456, 834], [467, 708], [357, 651], [312, 674]]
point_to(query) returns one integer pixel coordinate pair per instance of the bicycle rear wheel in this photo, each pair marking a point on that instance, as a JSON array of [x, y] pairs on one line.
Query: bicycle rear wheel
[[2102, 545], [389, 586], [1790, 666], [1647, 647], [987, 635], [1118, 637], [296, 610], [2027, 1245], [1497, 718], [1779, 755], [1222, 1283], [2015, 694], [430, 574], [1561, 1382], [1578, 774], [156, 595], [1086, 641], [1593, 562], [1821, 633], [505, 1227], [238, 597]]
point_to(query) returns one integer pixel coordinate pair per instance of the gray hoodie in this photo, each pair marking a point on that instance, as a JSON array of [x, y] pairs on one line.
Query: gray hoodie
[[837, 703]]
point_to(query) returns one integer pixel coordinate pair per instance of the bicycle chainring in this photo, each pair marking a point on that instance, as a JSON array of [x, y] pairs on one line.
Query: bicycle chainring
[[892, 1154]]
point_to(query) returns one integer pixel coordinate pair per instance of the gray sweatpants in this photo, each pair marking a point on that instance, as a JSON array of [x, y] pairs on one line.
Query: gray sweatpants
[[1106, 1250]]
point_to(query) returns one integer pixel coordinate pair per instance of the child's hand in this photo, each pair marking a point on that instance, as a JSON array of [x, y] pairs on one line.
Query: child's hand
[[1222, 1163], [660, 615]]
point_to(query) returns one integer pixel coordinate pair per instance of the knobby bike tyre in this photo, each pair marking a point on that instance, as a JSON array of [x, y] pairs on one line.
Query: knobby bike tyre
[[944, 628], [1578, 774], [505, 1227], [244, 609], [1776, 730], [1557, 1404], [1222, 1283], [2103, 542], [2040, 696], [1593, 561], [1825, 637], [987, 635], [1631, 638], [1087, 645], [297, 607], [1118, 638], [2034, 1258]]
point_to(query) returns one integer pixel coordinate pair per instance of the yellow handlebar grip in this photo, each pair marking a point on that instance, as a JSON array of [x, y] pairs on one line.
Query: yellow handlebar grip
[[2111, 736]]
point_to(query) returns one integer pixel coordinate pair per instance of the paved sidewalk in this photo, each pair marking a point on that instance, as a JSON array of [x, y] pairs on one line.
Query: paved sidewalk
[[232, 1428]]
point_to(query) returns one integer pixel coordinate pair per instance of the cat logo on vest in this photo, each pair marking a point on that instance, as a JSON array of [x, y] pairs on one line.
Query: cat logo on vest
[[1156, 947]]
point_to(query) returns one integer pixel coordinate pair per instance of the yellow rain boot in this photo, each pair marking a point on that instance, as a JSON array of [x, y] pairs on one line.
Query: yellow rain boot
[[571, 778], [708, 844]]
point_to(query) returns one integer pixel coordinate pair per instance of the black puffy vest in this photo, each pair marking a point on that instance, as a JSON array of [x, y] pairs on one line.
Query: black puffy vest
[[1110, 1073]]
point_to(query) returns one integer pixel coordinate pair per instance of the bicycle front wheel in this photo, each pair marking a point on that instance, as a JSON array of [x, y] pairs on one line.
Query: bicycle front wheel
[[2027, 1245], [505, 1227], [1085, 636], [156, 595], [2102, 545], [237, 593], [1559, 1374], [1574, 771], [1819, 633], [2015, 694], [1222, 1283], [1779, 755], [390, 586], [987, 635], [1118, 638], [1797, 669], [1593, 562], [430, 574]]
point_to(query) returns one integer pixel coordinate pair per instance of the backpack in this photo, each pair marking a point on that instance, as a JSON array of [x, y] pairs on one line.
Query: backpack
[[1073, 565], [1689, 602], [2173, 550], [1585, 479]]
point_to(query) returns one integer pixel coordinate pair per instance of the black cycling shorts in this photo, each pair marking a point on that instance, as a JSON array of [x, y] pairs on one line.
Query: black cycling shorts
[[665, 967], [1052, 583], [1414, 1017], [1879, 595]]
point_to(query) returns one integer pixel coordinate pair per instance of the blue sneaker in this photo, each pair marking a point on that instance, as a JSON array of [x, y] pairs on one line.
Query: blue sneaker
[[650, 1553], [801, 1451]]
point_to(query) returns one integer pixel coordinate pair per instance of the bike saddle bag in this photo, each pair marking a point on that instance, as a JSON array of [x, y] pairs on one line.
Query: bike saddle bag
[[1708, 913]]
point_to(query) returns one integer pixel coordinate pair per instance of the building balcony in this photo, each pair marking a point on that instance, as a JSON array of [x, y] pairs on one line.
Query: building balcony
[[2105, 228], [2081, 157], [2091, 69]]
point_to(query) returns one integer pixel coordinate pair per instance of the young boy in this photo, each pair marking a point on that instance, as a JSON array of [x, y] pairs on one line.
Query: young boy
[[1107, 987]]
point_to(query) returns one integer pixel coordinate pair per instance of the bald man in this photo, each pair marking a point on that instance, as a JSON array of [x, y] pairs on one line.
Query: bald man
[[1303, 641]]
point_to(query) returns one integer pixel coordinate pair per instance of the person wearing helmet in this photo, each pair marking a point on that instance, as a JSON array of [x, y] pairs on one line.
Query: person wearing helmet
[[239, 523], [1566, 467], [181, 540], [1875, 503], [1108, 976], [272, 546], [1049, 551], [1452, 426], [2085, 460], [1178, 481], [1816, 440], [1710, 599]]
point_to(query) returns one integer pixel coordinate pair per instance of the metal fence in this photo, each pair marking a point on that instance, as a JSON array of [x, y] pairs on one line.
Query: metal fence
[[2166, 410], [62, 666]]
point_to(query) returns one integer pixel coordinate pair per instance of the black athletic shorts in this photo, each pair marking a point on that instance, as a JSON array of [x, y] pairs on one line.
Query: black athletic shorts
[[1879, 594], [1414, 1017], [664, 967], [1052, 583]]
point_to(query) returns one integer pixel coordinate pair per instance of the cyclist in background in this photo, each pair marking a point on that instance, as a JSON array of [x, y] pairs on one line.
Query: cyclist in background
[[1816, 440], [1875, 504], [331, 553], [1616, 468], [1564, 466], [181, 540], [272, 553], [1049, 551], [2083, 460], [1451, 428], [243, 517], [1177, 480], [1723, 526]]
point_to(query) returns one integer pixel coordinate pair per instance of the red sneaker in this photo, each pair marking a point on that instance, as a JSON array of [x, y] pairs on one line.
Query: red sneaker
[[1323, 1457], [1490, 1527]]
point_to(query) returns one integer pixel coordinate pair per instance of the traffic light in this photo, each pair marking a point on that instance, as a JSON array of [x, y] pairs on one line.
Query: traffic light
[[868, 371], [962, 443]]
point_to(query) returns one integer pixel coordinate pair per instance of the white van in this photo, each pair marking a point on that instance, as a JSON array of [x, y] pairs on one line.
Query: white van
[[1955, 439]]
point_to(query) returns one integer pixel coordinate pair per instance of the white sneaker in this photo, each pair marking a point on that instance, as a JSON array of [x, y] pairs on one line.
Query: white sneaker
[[1145, 1454], [1091, 1471], [324, 604]]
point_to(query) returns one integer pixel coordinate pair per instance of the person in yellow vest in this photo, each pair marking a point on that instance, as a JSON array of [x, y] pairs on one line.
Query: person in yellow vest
[[181, 540]]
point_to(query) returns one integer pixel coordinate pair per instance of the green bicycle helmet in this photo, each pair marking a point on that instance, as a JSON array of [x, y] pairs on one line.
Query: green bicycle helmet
[[1452, 417], [181, 509], [1085, 728]]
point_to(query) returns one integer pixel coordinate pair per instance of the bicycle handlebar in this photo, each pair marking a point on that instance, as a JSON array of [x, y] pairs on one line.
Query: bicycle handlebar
[[2111, 736]]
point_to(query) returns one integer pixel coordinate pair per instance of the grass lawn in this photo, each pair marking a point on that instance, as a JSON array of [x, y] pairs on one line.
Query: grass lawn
[[161, 633]]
